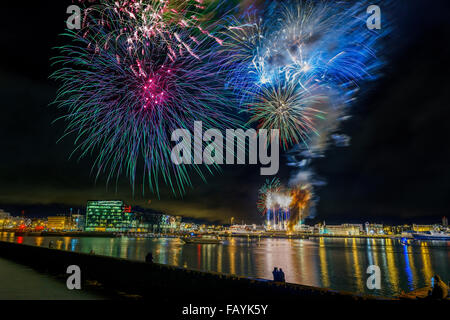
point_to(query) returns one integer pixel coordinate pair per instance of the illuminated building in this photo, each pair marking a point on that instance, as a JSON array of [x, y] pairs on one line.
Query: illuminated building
[[108, 216], [155, 223], [38, 224], [4, 219], [58, 223], [4, 214], [423, 228], [78, 221], [374, 229], [342, 230], [304, 228]]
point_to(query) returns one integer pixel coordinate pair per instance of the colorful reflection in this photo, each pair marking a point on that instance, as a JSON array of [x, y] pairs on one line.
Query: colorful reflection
[[339, 264]]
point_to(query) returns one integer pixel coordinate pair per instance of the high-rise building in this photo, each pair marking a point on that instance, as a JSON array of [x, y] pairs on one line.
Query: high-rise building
[[108, 216]]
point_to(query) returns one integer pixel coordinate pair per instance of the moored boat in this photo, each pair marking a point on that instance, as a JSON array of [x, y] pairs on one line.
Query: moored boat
[[202, 240], [432, 235]]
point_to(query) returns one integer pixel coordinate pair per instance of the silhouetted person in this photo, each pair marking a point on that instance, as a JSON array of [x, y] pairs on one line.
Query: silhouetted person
[[282, 278], [50, 244], [149, 258], [439, 290], [276, 274]]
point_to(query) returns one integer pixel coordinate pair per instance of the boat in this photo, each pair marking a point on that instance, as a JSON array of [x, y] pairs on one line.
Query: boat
[[202, 240], [432, 235], [406, 241]]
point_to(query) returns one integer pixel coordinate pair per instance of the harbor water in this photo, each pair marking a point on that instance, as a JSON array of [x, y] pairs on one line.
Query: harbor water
[[336, 263]]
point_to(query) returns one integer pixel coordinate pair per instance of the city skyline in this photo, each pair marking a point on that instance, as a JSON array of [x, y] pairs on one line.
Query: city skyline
[[394, 169]]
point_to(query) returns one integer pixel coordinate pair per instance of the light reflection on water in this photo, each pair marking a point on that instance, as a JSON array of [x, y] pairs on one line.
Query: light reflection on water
[[324, 262]]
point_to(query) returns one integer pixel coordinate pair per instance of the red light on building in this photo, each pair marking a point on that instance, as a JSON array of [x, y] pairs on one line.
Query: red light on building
[[127, 209]]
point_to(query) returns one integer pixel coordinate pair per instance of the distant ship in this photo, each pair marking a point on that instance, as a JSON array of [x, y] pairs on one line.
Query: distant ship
[[432, 235], [202, 240]]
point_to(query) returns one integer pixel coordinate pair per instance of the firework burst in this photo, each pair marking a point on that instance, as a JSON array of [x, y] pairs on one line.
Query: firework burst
[[270, 187], [301, 198], [309, 44], [289, 107], [125, 89]]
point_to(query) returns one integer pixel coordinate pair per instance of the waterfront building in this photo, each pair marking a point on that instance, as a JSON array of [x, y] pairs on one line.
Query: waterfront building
[[38, 224], [243, 228], [108, 216], [155, 222], [170, 223], [78, 222], [3, 214], [189, 227], [184, 226], [399, 229], [389, 230], [374, 228], [423, 227], [5, 219], [304, 228], [58, 223], [342, 230]]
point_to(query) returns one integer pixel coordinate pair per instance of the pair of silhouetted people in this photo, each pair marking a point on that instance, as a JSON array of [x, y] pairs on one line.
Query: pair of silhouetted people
[[149, 258], [278, 275]]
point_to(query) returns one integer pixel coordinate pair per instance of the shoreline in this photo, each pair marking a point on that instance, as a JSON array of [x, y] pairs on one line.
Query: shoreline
[[178, 235]]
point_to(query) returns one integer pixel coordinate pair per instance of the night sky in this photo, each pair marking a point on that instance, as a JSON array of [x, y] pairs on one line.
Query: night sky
[[397, 168]]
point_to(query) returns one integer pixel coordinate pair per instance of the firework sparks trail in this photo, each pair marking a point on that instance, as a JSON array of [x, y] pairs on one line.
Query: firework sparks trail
[[289, 108], [284, 207], [313, 54], [297, 66], [144, 21], [300, 202], [128, 81], [265, 194]]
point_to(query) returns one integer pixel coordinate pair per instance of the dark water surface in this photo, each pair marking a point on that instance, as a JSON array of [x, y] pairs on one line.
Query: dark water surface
[[339, 264]]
